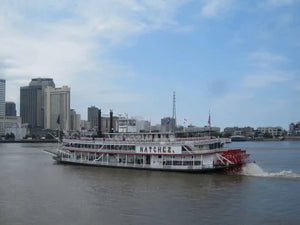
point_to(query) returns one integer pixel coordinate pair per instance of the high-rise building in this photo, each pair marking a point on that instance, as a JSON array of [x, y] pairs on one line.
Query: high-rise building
[[106, 124], [2, 97], [57, 108], [168, 124], [74, 121], [93, 117], [125, 125], [10, 109], [32, 101], [31, 106], [44, 82], [8, 122]]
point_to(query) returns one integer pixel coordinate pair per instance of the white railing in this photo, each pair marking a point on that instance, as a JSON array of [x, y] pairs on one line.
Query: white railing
[[186, 141]]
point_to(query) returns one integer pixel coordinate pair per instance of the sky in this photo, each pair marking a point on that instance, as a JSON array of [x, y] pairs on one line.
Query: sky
[[238, 60]]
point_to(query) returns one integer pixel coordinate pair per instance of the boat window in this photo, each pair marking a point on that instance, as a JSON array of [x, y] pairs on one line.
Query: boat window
[[197, 163], [177, 163]]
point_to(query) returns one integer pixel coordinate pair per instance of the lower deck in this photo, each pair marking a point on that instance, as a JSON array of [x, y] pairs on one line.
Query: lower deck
[[140, 161]]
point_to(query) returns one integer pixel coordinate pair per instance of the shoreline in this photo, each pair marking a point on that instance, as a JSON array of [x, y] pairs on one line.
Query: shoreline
[[55, 141], [28, 141], [270, 139]]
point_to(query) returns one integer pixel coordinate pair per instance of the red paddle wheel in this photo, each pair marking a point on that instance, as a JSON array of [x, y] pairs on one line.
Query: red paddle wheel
[[233, 159]]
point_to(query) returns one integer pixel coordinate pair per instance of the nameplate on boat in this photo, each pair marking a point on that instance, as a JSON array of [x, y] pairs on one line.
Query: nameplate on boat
[[158, 149]]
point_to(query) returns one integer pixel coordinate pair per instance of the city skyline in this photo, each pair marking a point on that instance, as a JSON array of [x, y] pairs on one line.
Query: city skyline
[[236, 59]]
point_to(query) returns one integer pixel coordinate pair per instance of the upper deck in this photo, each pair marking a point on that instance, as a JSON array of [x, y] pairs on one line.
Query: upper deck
[[146, 143]]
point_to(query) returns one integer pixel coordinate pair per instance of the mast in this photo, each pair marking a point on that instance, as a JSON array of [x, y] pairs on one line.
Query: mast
[[174, 112]]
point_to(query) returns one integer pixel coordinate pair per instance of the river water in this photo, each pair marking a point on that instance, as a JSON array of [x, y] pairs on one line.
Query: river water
[[36, 190]]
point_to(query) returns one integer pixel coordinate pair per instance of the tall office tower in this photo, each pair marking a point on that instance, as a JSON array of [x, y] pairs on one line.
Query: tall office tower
[[44, 82], [93, 117], [57, 108], [74, 120], [10, 109], [2, 97], [32, 101]]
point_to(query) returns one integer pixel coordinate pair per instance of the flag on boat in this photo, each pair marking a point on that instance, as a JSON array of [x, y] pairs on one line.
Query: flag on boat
[[209, 120], [58, 119]]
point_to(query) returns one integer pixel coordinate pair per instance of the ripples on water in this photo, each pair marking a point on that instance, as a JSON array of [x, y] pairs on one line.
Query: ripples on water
[[35, 190]]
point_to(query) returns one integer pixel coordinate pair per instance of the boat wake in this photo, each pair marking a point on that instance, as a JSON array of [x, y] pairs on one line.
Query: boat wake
[[51, 152], [252, 169]]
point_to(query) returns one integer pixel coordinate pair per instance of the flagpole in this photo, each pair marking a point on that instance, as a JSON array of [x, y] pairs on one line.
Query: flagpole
[[209, 123]]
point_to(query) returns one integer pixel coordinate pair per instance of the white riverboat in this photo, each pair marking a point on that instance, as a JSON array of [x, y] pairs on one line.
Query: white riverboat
[[154, 151]]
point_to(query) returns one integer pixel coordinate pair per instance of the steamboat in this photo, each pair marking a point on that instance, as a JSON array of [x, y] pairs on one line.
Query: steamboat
[[153, 151]]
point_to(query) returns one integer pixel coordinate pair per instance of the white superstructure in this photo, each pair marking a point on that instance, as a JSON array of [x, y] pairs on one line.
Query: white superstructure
[[156, 151]]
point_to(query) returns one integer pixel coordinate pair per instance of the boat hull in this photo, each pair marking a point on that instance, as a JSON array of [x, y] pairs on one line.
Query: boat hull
[[224, 168]]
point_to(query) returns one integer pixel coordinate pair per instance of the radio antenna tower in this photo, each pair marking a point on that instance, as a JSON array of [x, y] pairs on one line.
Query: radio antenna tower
[[174, 110]]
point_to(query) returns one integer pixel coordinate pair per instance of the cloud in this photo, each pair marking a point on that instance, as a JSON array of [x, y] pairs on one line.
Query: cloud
[[280, 2], [268, 70], [261, 80], [213, 8], [266, 59], [68, 41]]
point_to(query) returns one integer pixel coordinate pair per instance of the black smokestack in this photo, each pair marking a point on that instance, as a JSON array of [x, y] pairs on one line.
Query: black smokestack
[[111, 129], [99, 123]]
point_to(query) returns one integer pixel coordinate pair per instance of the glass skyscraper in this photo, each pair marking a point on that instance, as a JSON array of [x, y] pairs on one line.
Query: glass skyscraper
[[10, 109], [32, 102]]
